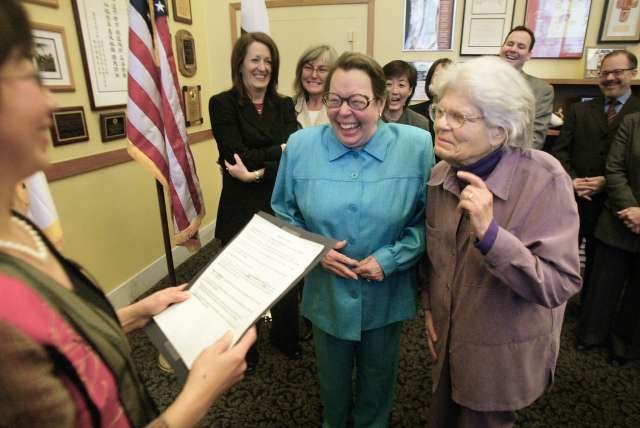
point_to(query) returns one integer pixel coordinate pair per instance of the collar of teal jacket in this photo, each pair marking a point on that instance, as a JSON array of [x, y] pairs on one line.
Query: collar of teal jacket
[[377, 146]]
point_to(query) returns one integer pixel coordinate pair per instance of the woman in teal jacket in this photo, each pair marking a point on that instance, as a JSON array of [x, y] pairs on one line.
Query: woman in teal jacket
[[362, 182]]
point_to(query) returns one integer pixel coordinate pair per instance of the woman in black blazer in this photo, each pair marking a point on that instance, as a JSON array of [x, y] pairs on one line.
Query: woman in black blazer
[[251, 122]]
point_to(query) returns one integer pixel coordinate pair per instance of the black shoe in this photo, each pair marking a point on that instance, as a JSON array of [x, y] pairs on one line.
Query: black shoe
[[307, 331], [251, 367], [252, 358], [293, 352], [616, 361], [583, 347]]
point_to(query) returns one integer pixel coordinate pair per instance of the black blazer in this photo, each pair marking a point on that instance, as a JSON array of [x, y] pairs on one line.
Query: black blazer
[[238, 128], [585, 137], [623, 186]]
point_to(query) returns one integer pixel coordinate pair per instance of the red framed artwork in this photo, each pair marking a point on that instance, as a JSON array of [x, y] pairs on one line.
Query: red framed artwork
[[560, 27]]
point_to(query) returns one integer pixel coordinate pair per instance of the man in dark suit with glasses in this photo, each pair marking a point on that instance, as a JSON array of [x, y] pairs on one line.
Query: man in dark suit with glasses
[[582, 148]]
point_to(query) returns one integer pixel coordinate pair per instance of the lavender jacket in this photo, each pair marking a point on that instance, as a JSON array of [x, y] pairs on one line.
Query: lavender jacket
[[500, 314]]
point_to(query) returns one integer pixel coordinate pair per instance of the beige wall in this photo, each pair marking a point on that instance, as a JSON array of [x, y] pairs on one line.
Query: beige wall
[[110, 217], [388, 40]]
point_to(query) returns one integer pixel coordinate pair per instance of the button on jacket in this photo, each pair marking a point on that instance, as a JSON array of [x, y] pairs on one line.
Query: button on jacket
[[374, 199]]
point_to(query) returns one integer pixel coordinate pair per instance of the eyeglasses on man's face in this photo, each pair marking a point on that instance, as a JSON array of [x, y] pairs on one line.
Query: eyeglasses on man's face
[[617, 73], [355, 101], [454, 119]]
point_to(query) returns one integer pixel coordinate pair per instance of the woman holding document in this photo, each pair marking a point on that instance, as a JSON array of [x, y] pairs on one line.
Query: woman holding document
[[360, 181], [65, 360]]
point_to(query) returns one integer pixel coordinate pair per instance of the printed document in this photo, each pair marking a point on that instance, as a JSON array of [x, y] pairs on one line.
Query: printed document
[[249, 275]]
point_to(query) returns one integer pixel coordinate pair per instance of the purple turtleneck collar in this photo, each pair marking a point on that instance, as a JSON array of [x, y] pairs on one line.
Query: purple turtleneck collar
[[484, 166]]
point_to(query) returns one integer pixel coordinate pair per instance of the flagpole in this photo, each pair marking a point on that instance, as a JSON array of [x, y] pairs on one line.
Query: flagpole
[[165, 234]]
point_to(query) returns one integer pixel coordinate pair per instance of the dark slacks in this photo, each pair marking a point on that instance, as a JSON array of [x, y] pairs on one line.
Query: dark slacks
[[446, 413], [285, 324], [589, 212], [611, 312]]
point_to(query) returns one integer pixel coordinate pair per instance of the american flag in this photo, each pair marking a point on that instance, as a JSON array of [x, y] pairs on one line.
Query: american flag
[[156, 125]]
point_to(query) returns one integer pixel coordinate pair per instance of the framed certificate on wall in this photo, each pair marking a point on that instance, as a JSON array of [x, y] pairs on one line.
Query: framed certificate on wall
[[485, 25], [103, 27]]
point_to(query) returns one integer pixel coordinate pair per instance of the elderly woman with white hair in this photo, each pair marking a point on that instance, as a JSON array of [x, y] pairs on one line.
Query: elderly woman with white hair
[[502, 261]]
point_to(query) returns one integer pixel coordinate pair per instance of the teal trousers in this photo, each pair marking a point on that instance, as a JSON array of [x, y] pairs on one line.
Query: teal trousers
[[375, 359]]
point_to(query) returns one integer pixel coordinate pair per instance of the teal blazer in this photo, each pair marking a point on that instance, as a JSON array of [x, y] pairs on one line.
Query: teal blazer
[[374, 198]]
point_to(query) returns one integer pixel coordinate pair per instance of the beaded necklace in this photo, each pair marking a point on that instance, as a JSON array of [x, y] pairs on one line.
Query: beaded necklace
[[40, 252]]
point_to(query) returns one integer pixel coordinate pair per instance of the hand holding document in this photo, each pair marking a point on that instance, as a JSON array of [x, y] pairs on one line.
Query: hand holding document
[[246, 278]]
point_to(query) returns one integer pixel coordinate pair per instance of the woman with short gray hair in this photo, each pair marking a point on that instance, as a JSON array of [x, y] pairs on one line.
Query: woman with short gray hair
[[502, 261], [505, 99]]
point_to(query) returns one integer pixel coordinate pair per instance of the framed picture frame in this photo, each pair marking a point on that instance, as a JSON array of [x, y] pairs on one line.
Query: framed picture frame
[[620, 22], [560, 27], [182, 11], [485, 25], [422, 67], [51, 57], [69, 125], [102, 27], [192, 109], [48, 3], [186, 53], [594, 56], [428, 26], [113, 126]]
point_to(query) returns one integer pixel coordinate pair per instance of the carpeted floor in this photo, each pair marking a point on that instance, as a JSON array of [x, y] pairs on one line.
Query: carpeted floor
[[282, 393]]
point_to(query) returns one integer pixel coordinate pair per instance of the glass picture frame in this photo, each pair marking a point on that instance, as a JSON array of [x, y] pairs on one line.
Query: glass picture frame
[[560, 27], [620, 22], [485, 25], [51, 57]]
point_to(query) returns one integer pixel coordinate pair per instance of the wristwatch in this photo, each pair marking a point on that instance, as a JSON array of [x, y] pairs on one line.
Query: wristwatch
[[258, 176]]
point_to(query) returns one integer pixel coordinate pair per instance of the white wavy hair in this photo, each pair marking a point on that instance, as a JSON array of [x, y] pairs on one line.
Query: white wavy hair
[[498, 90]]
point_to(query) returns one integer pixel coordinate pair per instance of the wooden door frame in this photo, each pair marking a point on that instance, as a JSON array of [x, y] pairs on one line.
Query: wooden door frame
[[235, 7]]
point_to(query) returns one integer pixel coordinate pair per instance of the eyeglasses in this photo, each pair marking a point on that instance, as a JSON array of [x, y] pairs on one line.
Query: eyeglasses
[[616, 73], [35, 77], [321, 69], [454, 119], [355, 101]]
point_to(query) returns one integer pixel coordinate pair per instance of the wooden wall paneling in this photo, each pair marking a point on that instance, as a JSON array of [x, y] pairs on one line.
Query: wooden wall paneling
[[69, 168]]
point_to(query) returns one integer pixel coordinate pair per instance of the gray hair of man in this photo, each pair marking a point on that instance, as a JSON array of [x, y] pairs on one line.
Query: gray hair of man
[[498, 90]]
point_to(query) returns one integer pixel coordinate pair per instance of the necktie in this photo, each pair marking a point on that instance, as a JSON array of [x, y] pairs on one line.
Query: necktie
[[611, 111]]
